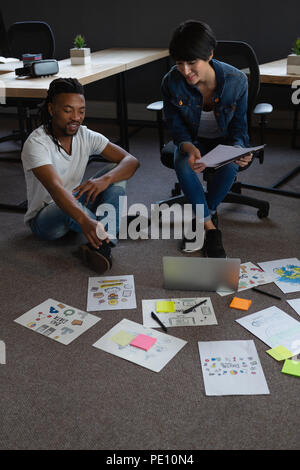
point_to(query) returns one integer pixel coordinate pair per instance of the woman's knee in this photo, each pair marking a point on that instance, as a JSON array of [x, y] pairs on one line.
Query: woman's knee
[[181, 163]]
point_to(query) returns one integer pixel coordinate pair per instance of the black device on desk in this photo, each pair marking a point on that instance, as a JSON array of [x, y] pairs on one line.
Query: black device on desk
[[39, 68]]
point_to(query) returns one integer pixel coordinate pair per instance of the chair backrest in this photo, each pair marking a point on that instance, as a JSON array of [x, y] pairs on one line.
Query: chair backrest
[[31, 37], [4, 50], [242, 56]]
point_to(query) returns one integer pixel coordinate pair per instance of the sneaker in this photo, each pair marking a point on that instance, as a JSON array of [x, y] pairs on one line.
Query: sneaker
[[97, 259], [213, 247]]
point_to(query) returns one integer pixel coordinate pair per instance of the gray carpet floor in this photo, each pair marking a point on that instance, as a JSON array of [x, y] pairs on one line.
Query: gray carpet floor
[[78, 397]]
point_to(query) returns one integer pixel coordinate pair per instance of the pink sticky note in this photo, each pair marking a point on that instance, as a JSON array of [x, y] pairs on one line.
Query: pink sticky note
[[143, 342]]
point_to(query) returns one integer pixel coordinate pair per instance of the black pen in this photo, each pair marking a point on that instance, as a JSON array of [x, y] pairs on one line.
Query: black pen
[[266, 293], [155, 317], [188, 310]]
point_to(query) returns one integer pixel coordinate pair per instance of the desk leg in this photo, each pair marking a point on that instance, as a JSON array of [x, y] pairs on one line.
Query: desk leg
[[122, 114]]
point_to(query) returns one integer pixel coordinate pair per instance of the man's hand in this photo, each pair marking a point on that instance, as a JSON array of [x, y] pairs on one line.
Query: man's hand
[[194, 157], [92, 188], [89, 229], [245, 160]]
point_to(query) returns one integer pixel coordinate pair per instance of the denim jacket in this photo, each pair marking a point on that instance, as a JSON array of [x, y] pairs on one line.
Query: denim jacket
[[183, 105]]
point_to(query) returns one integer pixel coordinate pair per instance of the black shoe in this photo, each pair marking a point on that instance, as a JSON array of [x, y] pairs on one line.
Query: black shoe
[[213, 247], [97, 259]]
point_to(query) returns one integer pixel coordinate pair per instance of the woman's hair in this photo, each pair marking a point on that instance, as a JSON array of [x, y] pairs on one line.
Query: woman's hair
[[57, 86], [192, 40]]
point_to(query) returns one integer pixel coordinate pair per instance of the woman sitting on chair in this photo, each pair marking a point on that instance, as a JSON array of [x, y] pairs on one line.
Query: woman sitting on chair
[[205, 104]]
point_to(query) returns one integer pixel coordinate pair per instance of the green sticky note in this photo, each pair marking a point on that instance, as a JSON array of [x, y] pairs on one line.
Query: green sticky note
[[165, 306], [291, 367], [280, 353], [122, 338]]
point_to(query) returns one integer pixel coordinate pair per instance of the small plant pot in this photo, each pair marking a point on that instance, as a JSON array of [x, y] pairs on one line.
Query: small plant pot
[[80, 56], [293, 64]]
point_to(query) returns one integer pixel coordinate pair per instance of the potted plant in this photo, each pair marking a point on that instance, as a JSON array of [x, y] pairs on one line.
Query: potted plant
[[293, 60], [80, 54]]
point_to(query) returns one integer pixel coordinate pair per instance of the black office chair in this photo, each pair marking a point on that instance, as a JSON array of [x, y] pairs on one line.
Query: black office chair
[[242, 56], [27, 37], [3, 38]]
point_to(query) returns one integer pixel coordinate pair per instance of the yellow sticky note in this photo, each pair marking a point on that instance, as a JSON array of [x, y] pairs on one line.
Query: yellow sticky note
[[165, 306], [291, 367], [122, 338], [240, 304], [280, 353]]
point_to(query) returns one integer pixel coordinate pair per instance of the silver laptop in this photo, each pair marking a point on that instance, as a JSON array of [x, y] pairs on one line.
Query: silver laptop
[[201, 274]]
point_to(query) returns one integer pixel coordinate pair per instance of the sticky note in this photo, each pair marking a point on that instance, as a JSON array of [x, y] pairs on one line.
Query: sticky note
[[165, 306], [240, 304], [280, 353], [122, 338], [291, 367], [143, 342]]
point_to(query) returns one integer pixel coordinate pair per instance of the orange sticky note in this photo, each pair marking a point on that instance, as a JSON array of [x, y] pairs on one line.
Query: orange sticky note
[[240, 304]]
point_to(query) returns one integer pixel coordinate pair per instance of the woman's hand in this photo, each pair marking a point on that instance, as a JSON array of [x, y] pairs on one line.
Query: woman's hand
[[194, 157], [245, 160]]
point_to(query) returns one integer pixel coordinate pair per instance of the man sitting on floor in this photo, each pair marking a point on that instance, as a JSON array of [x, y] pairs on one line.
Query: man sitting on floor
[[55, 158]]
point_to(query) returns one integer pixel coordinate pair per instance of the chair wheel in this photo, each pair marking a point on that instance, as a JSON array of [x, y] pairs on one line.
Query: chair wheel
[[261, 213]]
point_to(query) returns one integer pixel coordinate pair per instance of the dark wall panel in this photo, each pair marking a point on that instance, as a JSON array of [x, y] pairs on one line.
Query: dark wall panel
[[269, 26]]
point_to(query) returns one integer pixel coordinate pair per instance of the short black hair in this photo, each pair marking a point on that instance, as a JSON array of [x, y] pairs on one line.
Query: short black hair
[[192, 40], [58, 86], [64, 85]]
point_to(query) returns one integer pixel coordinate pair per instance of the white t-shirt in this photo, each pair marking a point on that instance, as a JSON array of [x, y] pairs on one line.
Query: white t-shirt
[[39, 149]]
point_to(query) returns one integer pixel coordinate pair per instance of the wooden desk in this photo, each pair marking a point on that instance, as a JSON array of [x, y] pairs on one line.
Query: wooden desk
[[105, 63], [275, 73]]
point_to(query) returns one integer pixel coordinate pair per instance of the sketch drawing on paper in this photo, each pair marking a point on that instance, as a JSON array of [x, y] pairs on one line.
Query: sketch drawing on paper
[[199, 315], [289, 273], [155, 358]]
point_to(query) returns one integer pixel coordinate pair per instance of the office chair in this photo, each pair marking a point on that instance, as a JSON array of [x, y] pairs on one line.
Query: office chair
[[242, 56], [3, 38], [27, 37]]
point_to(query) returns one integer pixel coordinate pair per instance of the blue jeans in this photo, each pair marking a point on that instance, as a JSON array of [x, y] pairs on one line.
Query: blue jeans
[[52, 223], [220, 182]]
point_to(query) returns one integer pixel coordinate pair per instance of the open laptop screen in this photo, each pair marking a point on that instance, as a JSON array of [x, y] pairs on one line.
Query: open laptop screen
[[201, 274]]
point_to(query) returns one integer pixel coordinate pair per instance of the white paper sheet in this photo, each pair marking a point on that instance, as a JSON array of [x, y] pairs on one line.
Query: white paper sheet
[[231, 368], [57, 320], [111, 293], [274, 327], [201, 315], [250, 276], [295, 304], [165, 348], [223, 154], [287, 273]]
